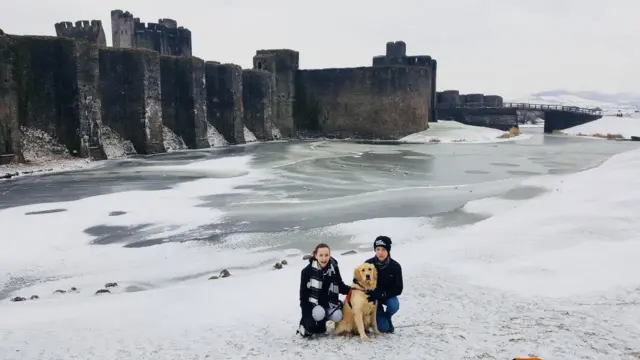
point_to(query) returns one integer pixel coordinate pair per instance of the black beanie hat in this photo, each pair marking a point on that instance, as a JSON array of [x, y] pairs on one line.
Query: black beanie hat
[[383, 241]]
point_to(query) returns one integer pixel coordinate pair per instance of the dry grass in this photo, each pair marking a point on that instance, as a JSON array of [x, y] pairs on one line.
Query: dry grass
[[558, 132], [513, 132], [459, 140], [434, 140], [608, 136]]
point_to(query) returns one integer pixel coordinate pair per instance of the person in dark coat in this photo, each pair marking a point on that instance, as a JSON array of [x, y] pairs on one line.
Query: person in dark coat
[[389, 284], [320, 285]]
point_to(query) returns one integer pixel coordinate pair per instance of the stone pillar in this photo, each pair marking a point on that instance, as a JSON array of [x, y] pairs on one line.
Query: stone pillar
[[88, 97], [285, 62], [131, 96], [184, 99], [9, 122], [257, 99], [224, 100]]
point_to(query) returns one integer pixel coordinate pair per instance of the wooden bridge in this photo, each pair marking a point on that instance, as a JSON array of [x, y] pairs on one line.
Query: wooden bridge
[[504, 116]]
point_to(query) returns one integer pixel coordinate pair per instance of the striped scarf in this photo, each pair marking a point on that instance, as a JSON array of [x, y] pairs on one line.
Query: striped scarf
[[318, 275]]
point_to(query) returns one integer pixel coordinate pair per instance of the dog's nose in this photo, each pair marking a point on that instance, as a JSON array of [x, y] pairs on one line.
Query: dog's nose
[[368, 277]]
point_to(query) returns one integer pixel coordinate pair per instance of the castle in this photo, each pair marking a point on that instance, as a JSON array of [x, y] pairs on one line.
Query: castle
[[83, 93]]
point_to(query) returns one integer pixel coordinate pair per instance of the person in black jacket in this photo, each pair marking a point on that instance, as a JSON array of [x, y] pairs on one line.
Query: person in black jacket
[[320, 284], [389, 283]]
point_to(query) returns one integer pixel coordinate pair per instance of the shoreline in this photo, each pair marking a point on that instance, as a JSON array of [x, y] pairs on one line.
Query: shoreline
[[19, 170]]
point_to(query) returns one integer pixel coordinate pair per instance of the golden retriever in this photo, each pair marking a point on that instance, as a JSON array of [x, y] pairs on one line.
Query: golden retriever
[[358, 313]]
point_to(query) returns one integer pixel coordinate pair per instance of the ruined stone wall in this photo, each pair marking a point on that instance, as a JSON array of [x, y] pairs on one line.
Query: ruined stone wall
[[45, 73], [184, 99], [122, 29], [492, 101], [49, 84], [9, 125], [85, 30], [450, 98], [396, 55], [284, 63], [224, 100], [373, 102], [257, 100], [131, 96], [164, 37], [88, 97]]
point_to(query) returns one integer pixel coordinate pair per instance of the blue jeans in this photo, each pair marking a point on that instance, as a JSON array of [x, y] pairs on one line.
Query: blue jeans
[[384, 316]]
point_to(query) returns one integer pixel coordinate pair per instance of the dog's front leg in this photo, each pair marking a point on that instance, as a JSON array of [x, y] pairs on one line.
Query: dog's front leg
[[360, 324], [374, 320]]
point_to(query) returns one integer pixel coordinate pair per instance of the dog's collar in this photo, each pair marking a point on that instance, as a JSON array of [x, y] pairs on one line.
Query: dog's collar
[[356, 283]]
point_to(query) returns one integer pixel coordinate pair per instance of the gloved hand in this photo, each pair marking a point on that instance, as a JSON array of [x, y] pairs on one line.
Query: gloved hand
[[375, 295]]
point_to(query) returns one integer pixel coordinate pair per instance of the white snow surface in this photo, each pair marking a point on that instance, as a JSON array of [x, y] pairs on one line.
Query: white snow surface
[[249, 137], [43, 155], [215, 138], [625, 126], [114, 145], [455, 132], [554, 277], [172, 142]]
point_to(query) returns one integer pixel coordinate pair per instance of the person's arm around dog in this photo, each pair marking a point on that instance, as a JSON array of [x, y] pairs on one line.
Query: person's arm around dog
[[342, 287]]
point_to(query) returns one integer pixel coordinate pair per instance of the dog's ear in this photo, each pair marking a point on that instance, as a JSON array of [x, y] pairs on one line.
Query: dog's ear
[[375, 274], [356, 274]]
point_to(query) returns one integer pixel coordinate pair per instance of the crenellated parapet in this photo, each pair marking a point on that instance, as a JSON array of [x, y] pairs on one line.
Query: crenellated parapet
[[84, 30], [164, 37]]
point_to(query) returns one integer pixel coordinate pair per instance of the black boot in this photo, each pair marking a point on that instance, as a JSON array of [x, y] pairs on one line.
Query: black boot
[[302, 330], [391, 328]]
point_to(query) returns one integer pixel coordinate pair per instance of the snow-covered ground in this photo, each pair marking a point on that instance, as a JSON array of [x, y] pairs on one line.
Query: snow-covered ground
[[625, 126], [43, 155], [445, 131], [610, 104], [554, 277]]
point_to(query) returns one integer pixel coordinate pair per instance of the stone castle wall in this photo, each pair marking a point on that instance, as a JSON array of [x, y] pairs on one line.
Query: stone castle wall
[[164, 37], [383, 102], [77, 91]]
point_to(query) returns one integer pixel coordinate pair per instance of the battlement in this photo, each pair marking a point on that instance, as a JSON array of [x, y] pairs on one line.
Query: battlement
[[285, 59], [161, 27], [168, 23], [396, 49], [84, 30], [119, 14], [82, 24]]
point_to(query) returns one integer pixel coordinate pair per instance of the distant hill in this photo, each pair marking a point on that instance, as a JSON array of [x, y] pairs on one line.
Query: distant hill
[[627, 103]]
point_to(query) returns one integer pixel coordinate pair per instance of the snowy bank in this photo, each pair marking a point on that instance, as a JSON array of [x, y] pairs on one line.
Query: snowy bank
[[445, 131], [43, 155], [623, 126], [553, 277]]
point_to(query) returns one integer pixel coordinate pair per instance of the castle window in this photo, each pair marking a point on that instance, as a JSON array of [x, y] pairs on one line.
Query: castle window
[[259, 65]]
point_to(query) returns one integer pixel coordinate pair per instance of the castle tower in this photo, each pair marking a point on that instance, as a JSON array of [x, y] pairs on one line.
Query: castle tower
[[396, 55], [164, 37], [85, 30], [284, 64], [122, 29]]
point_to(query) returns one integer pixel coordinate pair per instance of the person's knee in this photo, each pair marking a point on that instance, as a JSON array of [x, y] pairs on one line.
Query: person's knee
[[336, 316], [318, 313], [393, 305], [382, 322]]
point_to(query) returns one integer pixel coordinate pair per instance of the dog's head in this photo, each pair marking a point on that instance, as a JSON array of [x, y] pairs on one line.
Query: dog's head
[[366, 275]]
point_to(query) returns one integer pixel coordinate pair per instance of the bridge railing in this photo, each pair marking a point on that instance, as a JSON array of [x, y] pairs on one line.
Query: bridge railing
[[522, 106]]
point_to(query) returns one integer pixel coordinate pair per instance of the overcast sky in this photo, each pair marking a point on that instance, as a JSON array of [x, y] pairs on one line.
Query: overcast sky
[[506, 47]]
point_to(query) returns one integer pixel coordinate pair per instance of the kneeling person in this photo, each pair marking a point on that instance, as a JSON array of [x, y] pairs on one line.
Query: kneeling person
[[320, 284], [389, 283]]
